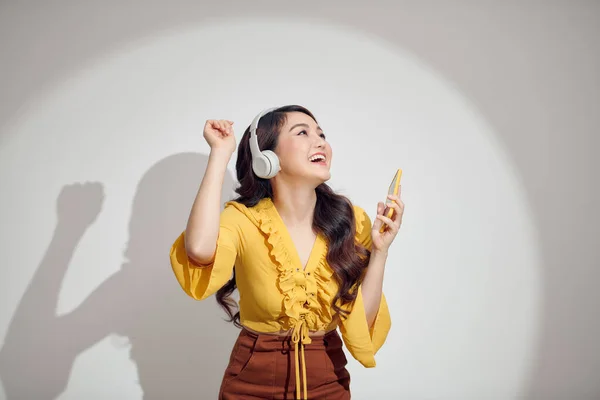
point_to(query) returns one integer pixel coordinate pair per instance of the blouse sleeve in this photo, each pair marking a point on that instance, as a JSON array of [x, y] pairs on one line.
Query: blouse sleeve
[[363, 341], [200, 281]]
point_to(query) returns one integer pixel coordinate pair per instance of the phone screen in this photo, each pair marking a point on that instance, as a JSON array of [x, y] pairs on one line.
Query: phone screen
[[393, 189]]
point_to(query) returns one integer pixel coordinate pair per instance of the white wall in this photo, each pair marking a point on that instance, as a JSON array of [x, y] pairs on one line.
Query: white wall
[[489, 110]]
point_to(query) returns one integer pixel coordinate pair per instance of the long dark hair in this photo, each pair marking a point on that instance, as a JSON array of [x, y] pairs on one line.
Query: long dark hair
[[333, 217]]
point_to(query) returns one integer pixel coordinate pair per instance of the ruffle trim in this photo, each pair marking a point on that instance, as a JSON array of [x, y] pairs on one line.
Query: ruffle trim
[[359, 216], [306, 294]]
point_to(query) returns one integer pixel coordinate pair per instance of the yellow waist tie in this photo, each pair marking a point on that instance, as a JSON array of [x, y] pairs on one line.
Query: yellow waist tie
[[300, 335]]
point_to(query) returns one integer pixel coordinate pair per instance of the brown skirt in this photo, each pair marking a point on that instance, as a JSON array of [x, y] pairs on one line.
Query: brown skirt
[[263, 367]]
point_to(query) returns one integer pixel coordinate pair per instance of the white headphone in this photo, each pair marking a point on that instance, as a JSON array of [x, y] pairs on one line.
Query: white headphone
[[265, 164]]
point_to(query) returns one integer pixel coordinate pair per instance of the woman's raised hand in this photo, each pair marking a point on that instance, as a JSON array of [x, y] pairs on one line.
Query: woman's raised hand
[[219, 135]]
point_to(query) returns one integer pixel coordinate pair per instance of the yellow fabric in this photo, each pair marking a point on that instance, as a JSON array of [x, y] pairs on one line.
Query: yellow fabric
[[300, 336], [276, 292]]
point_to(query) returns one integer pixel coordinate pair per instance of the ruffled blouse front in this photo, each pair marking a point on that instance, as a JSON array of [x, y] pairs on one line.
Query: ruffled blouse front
[[306, 291], [277, 293]]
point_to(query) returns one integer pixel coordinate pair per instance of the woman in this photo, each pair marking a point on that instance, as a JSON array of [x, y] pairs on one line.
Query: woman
[[304, 259]]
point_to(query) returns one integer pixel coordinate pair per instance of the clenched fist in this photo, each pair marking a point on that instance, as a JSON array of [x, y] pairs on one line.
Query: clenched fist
[[219, 135]]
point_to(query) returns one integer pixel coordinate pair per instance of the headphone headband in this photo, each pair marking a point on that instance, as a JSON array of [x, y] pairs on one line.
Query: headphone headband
[[254, 149], [265, 164]]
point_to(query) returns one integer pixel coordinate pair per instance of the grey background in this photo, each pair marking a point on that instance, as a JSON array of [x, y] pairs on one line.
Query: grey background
[[531, 68]]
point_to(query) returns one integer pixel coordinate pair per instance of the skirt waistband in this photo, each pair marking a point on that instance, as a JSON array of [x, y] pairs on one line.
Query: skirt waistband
[[267, 342], [286, 366]]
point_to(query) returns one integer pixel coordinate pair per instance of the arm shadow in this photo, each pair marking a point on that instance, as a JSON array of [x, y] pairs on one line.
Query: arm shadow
[[180, 346]]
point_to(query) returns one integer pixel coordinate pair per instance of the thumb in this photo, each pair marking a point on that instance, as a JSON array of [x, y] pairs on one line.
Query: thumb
[[377, 222]]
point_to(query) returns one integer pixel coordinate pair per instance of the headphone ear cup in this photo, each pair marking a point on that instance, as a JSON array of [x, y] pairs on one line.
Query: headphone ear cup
[[261, 166], [273, 162]]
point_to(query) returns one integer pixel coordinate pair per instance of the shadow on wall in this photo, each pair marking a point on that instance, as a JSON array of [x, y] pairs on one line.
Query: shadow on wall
[[180, 346]]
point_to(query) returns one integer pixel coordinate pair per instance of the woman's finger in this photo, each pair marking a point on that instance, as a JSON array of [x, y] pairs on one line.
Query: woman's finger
[[229, 126], [387, 221], [396, 205], [397, 201], [398, 210], [377, 224], [394, 197], [380, 207], [219, 126]]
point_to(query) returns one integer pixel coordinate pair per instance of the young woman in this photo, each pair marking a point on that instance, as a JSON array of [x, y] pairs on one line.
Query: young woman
[[304, 259]]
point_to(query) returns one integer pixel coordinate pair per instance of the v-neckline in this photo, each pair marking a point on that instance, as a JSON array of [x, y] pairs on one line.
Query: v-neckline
[[288, 237]]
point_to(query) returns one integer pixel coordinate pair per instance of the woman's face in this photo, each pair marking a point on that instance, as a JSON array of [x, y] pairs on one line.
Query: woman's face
[[300, 139]]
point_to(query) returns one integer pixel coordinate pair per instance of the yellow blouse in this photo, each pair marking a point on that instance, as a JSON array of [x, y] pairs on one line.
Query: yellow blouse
[[276, 293]]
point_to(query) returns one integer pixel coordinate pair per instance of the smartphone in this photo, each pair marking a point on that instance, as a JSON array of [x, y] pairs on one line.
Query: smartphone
[[393, 189]]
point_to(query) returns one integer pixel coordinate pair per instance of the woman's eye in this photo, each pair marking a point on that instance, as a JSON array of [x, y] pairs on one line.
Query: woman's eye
[[304, 132]]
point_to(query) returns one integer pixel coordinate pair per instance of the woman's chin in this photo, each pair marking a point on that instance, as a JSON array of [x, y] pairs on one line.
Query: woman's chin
[[316, 178], [324, 177]]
